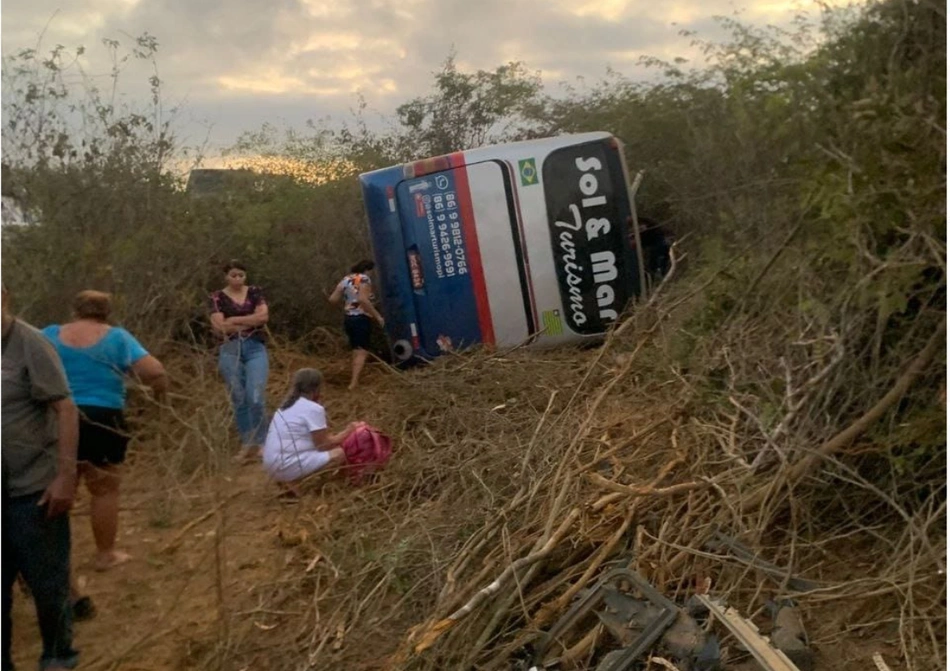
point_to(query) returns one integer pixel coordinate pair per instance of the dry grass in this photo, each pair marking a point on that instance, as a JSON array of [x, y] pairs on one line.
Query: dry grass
[[517, 478]]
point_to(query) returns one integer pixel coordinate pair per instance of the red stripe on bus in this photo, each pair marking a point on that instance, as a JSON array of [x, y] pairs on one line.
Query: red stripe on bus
[[477, 273]]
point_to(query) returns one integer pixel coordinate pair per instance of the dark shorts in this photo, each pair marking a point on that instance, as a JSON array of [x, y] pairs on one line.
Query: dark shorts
[[358, 329], [103, 435]]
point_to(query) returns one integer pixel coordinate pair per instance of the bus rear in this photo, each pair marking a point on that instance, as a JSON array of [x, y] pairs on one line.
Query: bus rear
[[528, 241]]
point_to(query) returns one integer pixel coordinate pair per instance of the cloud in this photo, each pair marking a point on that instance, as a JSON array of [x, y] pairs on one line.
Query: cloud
[[242, 63]]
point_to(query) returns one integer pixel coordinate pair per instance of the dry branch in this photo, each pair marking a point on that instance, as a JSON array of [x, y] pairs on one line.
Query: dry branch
[[437, 629], [176, 540], [844, 438], [631, 491]]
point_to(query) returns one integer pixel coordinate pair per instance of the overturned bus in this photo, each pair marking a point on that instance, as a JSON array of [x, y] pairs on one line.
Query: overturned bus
[[504, 244]]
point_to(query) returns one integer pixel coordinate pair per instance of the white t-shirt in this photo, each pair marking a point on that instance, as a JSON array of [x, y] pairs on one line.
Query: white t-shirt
[[289, 447]]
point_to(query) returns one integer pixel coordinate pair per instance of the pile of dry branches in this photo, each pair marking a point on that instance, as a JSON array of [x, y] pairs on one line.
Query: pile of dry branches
[[520, 476]]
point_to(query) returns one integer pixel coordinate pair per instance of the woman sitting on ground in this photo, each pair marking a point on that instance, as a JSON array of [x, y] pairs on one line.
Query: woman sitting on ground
[[298, 441]]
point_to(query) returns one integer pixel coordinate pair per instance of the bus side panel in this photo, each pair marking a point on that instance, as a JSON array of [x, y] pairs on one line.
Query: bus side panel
[[395, 290], [457, 224], [498, 253], [542, 276], [448, 291]]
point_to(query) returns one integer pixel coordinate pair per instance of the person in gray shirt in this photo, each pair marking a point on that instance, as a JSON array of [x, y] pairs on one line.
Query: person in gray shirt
[[38, 449]]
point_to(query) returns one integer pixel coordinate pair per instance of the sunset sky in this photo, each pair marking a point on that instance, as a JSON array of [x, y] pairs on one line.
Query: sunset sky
[[232, 65]]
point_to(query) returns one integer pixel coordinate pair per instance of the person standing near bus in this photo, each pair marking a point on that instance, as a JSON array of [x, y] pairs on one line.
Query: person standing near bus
[[238, 315], [40, 434], [355, 293]]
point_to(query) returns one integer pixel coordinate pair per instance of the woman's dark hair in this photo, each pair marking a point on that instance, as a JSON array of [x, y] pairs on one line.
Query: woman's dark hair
[[305, 382], [231, 265], [362, 266]]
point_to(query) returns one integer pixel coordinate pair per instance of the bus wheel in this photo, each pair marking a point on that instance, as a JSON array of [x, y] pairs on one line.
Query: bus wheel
[[402, 349]]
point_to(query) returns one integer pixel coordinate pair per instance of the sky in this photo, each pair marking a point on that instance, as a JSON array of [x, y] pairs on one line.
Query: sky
[[232, 65]]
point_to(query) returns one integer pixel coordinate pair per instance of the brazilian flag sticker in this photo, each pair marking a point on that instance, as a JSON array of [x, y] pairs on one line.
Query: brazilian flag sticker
[[528, 172]]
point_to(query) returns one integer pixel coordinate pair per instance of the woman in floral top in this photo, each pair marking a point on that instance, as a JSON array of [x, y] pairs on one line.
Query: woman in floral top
[[356, 294], [238, 316]]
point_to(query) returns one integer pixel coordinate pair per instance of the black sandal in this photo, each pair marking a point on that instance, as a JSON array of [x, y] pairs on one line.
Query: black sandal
[[83, 609]]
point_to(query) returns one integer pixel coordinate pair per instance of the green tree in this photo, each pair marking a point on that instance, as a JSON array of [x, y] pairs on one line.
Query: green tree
[[468, 110]]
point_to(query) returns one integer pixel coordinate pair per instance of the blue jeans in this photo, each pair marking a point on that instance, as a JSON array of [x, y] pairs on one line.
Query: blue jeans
[[38, 549], [243, 364]]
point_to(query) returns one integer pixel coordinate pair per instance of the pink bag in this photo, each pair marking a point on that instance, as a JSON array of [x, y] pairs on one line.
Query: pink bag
[[366, 449]]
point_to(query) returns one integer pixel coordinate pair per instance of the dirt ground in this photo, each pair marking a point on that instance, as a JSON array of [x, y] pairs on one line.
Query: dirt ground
[[152, 609], [161, 609], [207, 546]]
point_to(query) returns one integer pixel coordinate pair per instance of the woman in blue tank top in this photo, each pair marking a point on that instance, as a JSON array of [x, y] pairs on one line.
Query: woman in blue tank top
[[97, 357]]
